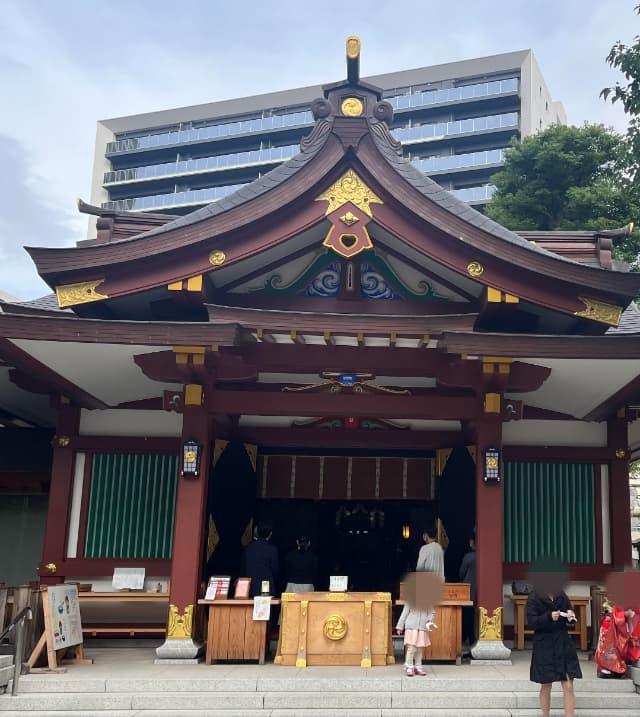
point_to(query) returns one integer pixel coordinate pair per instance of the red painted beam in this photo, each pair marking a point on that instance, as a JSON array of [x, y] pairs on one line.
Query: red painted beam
[[267, 403], [380, 361], [542, 346], [95, 567], [245, 365], [327, 439], [134, 444], [620, 507], [554, 454]]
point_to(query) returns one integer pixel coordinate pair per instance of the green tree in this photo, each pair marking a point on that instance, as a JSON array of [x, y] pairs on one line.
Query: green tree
[[627, 60], [567, 178]]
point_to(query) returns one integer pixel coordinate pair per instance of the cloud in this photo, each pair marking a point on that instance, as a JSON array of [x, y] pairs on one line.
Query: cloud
[[24, 220], [66, 65]]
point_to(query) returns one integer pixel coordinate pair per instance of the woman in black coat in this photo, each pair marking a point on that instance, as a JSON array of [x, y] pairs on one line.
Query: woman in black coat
[[554, 657]]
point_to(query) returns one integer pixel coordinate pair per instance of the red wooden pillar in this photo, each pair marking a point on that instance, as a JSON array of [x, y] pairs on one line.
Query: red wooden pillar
[[618, 443], [51, 568], [188, 534], [489, 536]]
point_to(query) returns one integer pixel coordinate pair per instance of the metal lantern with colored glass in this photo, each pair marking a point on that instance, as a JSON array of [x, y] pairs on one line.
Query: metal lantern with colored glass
[[191, 453], [491, 465]]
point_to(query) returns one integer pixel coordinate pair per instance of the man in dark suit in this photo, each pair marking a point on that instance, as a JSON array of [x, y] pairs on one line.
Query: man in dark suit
[[261, 560]]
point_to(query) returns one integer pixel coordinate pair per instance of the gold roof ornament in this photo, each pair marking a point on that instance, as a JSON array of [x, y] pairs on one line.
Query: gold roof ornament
[[600, 311], [353, 59], [475, 268], [349, 188], [353, 47], [84, 292], [352, 107]]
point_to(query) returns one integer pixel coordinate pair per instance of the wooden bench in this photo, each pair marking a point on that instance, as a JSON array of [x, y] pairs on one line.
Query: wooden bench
[[131, 629], [520, 630]]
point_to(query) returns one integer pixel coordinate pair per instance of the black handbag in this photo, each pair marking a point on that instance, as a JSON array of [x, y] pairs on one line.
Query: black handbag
[[520, 587]]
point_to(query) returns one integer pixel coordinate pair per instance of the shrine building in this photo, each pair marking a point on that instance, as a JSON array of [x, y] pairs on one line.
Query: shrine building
[[343, 348]]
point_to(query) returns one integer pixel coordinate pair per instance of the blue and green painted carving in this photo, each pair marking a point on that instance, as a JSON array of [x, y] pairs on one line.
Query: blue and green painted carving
[[378, 280]]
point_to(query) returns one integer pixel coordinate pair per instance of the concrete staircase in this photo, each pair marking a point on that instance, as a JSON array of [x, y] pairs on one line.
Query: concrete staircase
[[6, 671], [306, 696]]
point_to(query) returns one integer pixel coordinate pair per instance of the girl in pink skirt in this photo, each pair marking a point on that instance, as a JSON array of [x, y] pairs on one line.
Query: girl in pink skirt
[[416, 625]]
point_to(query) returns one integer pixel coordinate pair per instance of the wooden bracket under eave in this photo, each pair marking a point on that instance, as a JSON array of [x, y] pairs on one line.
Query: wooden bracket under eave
[[193, 394], [495, 296], [492, 403], [496, 364], [193, 284], [193, 355]]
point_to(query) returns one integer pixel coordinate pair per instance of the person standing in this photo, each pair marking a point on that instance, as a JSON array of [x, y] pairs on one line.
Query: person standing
[[261, 560], [415, 624], [431, 555], [301, 567], [468, 575], [554, 657]]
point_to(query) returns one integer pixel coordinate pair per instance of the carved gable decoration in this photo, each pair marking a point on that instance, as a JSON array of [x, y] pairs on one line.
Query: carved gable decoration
[[371, 276], [349, 210]]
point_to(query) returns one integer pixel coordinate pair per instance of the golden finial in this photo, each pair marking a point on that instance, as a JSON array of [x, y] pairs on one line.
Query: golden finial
[[353, 59]]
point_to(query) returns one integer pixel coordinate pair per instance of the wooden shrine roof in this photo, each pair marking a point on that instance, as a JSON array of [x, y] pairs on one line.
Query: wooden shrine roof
[[112, 225], [291, 208]]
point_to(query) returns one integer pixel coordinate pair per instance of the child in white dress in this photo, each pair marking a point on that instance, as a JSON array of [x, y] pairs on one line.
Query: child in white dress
[[416, 625]]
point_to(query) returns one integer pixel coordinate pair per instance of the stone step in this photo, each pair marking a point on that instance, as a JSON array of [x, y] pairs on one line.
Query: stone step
[[6, 661], [461, 712], [277, 704], [58, 683]]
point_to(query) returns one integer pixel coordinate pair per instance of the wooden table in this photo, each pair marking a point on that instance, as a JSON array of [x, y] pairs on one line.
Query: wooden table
[[232, 633], [446, 640], [123, 596], [580, 605], [325, 628]]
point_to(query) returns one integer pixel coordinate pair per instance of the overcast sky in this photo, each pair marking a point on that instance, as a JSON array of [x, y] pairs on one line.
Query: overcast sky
[[64, 64]]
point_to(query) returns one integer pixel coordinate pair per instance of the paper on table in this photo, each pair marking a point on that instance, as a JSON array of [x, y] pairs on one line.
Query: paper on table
[[128, 578], [261, 607], [338, 583]]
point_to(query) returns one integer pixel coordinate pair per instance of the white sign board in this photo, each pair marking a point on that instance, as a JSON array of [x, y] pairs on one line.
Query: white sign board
[[128, 579], [338, 583], [261, 607], [64, 616]]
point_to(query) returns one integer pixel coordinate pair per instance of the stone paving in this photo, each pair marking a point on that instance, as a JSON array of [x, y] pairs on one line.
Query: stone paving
[[125, 682]]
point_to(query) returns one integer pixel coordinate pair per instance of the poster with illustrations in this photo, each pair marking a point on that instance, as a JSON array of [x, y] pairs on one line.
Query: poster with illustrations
[[64, 616], [261, 607]]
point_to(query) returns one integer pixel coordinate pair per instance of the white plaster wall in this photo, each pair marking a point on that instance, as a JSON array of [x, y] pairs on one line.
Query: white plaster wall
[[130, 422], [554, 433]]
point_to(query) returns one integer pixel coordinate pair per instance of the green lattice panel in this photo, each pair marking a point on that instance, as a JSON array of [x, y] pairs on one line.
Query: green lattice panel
[[549, 509], [131, 505]]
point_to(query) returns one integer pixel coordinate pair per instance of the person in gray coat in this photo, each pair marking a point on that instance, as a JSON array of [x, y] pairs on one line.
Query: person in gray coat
[[416, 625], [431, 555]]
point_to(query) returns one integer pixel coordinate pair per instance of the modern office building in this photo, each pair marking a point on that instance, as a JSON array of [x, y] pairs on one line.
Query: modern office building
[[454, 121]]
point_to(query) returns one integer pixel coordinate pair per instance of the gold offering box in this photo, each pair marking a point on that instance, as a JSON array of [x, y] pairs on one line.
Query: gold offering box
[[324, 628]]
